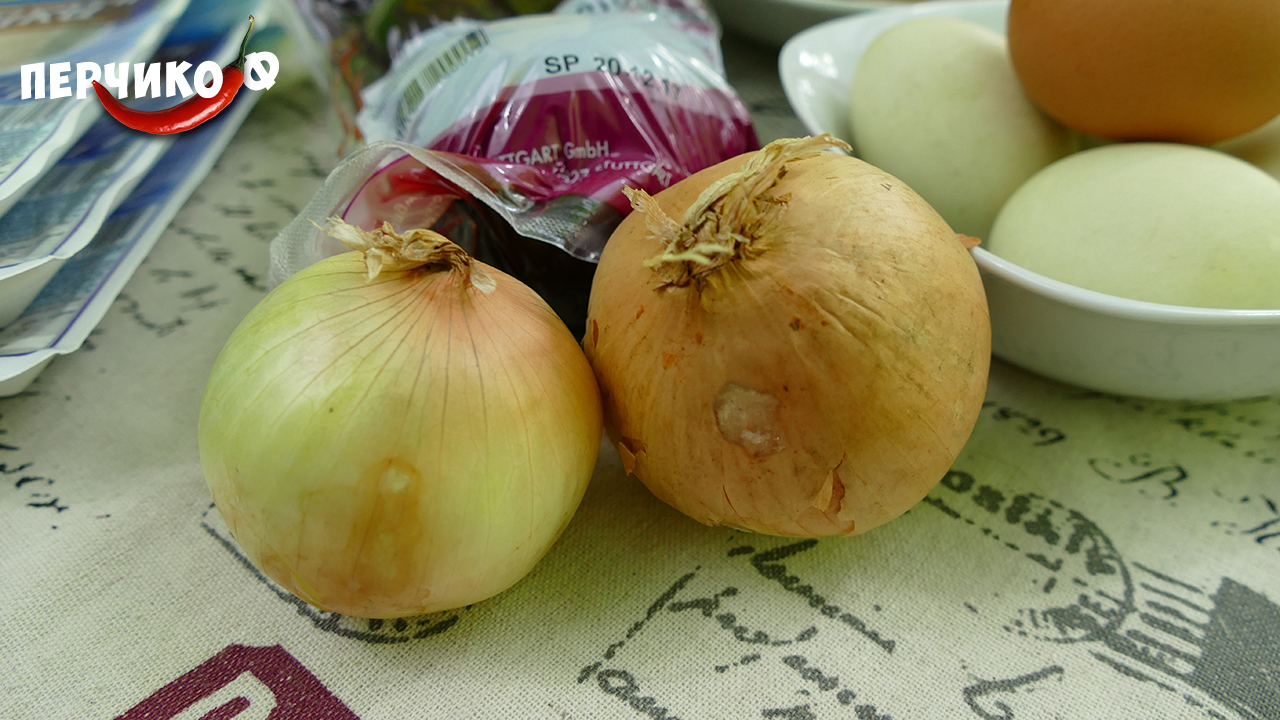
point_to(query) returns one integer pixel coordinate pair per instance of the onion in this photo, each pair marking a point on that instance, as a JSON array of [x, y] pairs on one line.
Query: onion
[[400, 431], [804, 354]]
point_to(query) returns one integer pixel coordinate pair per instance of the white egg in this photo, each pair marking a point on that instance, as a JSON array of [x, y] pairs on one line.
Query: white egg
[[935, 102], [1260, 147], [1160, 222]]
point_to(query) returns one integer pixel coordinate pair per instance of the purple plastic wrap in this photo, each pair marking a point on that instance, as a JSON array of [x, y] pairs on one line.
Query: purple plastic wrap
[[515, 138]]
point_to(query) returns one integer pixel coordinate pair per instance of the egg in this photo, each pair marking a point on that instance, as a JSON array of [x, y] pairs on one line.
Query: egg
[[935, 103], [1260, 147], [1192, 71], [1159, 222]]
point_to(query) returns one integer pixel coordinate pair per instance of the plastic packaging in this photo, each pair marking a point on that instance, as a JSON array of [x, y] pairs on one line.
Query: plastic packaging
[[515, 137], [64, 209], [348, 44], [72, 304], [82, 231], [66, 206], [35, 133]]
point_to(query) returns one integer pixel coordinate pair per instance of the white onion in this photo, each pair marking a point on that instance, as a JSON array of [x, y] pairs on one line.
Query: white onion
[[399, 445]]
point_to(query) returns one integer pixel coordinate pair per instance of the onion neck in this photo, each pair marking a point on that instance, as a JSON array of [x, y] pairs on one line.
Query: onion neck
[[385, 249], [727, 217]]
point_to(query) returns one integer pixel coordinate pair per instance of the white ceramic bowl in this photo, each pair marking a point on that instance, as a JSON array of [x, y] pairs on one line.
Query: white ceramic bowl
[[1085, 338], [773, 22]]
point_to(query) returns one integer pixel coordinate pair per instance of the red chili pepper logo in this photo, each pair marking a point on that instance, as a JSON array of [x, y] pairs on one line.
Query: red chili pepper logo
[[187, 114]]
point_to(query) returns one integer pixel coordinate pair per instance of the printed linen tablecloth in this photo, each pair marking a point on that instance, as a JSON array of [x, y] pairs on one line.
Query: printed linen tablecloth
[[1088, 556]]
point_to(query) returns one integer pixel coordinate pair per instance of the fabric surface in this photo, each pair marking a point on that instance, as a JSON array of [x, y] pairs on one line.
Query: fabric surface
[[1089, 556]]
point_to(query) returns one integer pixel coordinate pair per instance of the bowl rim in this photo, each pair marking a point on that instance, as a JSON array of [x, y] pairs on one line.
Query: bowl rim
[[988, 262], [1114, 305], [843, 7]]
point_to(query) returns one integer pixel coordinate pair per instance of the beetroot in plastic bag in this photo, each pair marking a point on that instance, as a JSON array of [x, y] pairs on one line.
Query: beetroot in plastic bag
[[514, 138]]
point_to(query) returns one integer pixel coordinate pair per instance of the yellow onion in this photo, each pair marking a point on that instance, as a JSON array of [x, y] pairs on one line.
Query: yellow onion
[[400, 430], [804, 352]]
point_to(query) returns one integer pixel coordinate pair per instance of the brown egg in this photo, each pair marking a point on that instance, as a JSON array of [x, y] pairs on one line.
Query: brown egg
[[1194, 71]]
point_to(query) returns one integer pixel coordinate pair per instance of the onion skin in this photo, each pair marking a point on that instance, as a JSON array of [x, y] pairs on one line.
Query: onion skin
[[398, 446], [819, 387]]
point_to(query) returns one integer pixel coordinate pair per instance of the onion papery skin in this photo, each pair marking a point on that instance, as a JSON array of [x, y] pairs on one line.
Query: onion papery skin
[[822, 385], [408, 444]]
